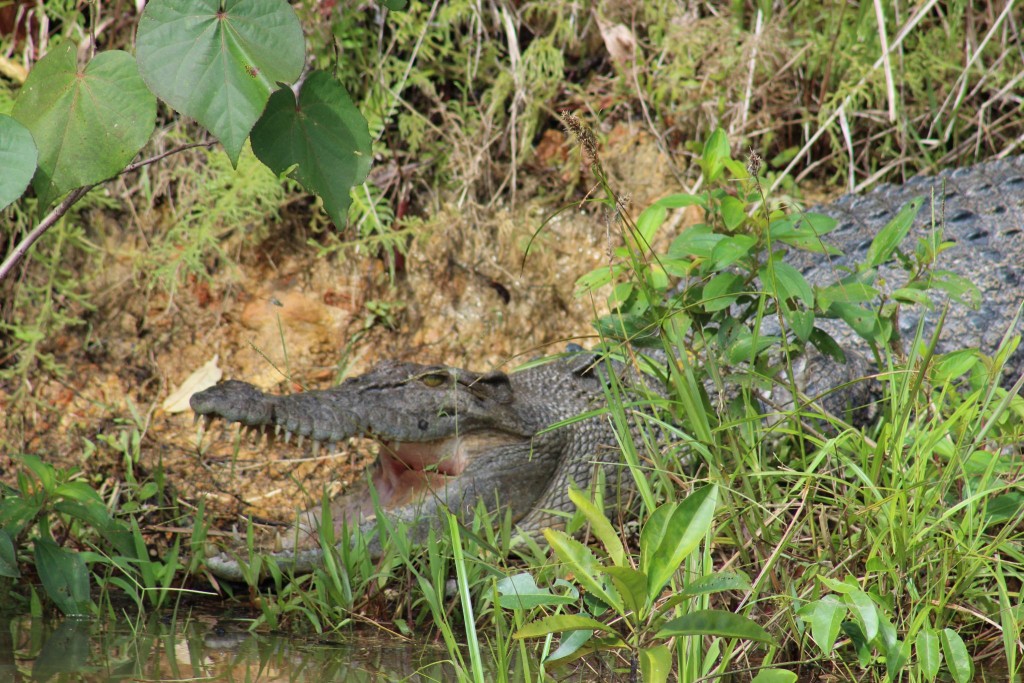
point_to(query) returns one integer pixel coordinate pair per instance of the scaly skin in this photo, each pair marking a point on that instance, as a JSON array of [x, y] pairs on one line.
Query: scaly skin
[[981, 208], [482, 437], [486, 438]]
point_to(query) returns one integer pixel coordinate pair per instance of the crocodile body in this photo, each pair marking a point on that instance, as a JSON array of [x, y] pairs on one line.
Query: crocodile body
[[452, 437], [448, 438], [981, 209]]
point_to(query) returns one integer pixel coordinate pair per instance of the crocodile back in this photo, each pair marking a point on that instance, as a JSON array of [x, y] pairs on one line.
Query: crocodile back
[[981, 209]]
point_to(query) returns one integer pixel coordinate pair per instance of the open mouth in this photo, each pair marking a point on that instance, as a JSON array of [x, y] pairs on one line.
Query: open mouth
[[406, 470]]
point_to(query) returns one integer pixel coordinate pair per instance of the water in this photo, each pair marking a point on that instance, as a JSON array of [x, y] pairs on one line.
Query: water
[[204, 648]]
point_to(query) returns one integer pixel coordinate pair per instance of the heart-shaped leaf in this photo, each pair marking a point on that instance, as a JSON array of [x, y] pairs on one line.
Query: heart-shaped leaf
[[87, 124], [218, 60], [18, 159], [323, 139]]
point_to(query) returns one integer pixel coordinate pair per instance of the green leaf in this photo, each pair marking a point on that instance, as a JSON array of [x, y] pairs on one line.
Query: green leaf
[[649, 221], [323, 136], [866, 611], [632, 587], [666, 545], [520, 591], [733, 212], [959, 288], [679, 201], [722, 291], [706, 585], [44, 471], [731, 249], [774, 676], [558, 623], [80, 491], [8, 557], [863, 321], [655, 663], [597, 278], [218, 60], [96, 515], [804, 232], [845, 293], [928, 656], [88, 124], [842, 587], [584, 566], [64, 577], [570, 644], [716, 583], [958, 661], [801, 322], [742, 349], [913, 295], [892, 235], [825, 616], [949, 366], [827, 345], [716, 152], [18, 157], [698, 240], [712, 622], [599, 525], [786, 282], [896, 658]]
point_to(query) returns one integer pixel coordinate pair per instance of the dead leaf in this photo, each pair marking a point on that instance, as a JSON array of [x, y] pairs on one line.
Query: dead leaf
[[618, 40], [203, 378]]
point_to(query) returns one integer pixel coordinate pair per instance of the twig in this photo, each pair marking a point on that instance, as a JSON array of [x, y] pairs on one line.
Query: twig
[[58, 212], [890, 87]]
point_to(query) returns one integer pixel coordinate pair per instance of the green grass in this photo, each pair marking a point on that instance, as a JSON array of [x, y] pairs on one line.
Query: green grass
[[912, 523]]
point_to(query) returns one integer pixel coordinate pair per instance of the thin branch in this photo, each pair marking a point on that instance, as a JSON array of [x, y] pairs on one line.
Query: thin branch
[[58, 212]]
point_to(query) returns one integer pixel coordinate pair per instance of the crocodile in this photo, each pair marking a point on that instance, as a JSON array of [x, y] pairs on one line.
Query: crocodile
[[449, 439], [980, 209], [453, 438]]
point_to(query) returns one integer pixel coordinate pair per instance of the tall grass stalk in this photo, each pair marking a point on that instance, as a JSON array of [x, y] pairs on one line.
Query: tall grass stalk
[[472, 642]]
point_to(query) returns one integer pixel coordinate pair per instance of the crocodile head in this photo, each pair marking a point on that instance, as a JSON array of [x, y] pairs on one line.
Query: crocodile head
[[432, 423]]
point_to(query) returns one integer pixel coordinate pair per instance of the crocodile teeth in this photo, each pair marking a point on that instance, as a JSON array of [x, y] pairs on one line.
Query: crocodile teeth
[[299, 441], [203, 426], [316, 448], [195, 419], [287, 436]]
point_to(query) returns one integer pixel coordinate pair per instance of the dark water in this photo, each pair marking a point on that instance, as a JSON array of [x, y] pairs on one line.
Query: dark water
[[210, 648], [201, 648]]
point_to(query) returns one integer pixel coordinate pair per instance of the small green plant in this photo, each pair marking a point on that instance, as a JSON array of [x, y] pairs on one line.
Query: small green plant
[[862, 619], [630, 593], [50, 504], [917, 505]]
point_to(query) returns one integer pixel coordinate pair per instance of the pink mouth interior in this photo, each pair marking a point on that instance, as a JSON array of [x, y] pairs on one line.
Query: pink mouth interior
[[404, 470]]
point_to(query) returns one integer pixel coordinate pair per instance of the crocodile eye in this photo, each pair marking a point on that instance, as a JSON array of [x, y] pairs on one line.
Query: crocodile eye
[[434, 380]]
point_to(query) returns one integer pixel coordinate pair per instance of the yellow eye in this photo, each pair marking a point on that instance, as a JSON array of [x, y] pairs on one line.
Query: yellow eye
[[434, 380]]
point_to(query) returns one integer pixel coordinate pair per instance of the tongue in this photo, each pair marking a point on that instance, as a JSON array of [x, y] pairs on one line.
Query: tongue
[[405, 470]]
